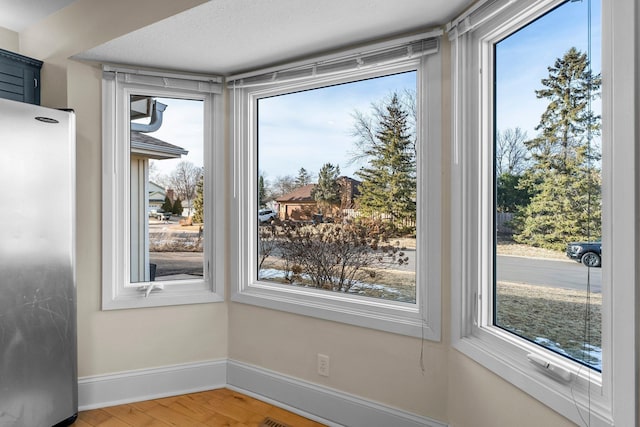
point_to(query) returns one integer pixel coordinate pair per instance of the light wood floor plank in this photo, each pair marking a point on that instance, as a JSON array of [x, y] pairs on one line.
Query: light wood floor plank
[[133, 416], [215, 408]]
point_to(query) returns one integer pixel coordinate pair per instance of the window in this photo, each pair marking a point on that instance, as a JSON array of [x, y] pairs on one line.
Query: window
[[346, 194], [337, 187], [159, 239], [167, 239], [525, 150], [548, 184]]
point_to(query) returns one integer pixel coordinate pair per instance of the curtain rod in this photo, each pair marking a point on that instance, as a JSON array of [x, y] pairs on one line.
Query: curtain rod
[[339, 55], [157, 73], [470, 13]]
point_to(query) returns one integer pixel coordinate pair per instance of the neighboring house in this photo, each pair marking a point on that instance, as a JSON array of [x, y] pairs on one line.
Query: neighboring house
[[156, 196], [299, 205], [350, 192], [146, 146], [143, 148]]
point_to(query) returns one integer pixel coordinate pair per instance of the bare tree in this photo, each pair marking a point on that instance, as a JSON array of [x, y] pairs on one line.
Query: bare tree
[[156, 176], [330, 256], [281, 186], [512, 155], [267, 242], [184, 180]]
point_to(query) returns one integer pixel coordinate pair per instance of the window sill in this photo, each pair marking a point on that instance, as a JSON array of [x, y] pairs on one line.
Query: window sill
[[506, 356], [388, 316], [133, 298]]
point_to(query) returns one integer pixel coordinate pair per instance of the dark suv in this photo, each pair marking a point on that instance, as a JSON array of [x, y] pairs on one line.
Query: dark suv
[[588, 253]]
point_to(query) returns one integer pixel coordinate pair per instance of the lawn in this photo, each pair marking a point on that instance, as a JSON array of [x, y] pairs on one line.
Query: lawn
[[555, 318]]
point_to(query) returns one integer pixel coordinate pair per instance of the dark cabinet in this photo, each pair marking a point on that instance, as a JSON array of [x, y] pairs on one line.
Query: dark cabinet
[[19, 77]]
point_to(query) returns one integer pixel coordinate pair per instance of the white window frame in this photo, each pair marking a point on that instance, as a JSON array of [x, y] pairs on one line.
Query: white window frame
[[118, 292], [421, 319], [605, 399]]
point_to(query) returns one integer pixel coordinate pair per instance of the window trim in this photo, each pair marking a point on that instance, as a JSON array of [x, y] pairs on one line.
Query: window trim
[[472, 37], [117, 86], [421, 319]]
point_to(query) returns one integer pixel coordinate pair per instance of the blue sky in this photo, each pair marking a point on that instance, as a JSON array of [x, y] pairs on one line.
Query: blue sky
[[182, 125], [308, 129], [522, 60]]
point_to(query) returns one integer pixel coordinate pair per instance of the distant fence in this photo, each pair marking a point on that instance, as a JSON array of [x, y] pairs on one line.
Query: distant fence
[[503, 220], [354, 213]]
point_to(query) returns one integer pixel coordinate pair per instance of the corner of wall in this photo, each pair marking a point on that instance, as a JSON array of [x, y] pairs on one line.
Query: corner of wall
[[9, 40]]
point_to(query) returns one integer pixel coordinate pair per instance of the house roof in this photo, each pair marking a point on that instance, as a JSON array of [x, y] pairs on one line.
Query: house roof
[[348, 178], [303, 194], [154, 148], [155, 187], [300, 195]]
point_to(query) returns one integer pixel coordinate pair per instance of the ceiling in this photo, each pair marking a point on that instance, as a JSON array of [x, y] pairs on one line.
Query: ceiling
[[232, 36]]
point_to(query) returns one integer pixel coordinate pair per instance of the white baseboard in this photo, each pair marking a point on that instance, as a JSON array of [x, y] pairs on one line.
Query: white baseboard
[[314, 401], [320, 403], [134, 386]]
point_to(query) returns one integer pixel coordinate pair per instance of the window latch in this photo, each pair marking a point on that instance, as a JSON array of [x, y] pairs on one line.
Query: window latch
[[549, 368], [147, 289]]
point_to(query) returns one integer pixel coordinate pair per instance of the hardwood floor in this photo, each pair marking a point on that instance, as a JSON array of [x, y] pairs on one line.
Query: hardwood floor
[[219, 408]]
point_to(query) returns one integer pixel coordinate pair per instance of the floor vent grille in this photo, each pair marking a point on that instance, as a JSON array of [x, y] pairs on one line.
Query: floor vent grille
[[270, 422]]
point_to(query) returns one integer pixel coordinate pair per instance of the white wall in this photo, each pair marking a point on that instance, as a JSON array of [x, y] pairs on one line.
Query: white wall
[[376, 365], [8, 40]]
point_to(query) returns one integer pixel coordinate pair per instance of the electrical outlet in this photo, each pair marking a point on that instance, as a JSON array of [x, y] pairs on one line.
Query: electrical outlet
[[323, 365]]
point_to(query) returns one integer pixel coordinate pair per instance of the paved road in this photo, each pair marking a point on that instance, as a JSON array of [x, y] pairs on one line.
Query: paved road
[[555, 273], [560, 274], [177, 263]]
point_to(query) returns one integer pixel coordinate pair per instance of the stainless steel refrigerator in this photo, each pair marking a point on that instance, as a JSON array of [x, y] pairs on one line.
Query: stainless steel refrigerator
[[38, 357]]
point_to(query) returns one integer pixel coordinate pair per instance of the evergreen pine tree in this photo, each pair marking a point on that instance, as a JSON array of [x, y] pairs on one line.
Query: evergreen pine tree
[[167, 206], [303, 178], [327, 190], [262, 196], [177, 207], [564, 178], [389, 180], [511, 193], [198, 202]]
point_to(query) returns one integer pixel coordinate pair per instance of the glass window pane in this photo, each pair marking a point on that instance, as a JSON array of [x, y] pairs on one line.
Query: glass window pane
[[548, 183], [337, 184], [166, 182]]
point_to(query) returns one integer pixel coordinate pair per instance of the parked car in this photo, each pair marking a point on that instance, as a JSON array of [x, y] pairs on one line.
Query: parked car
[[588, 253], [160, 215], [265, 215]]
